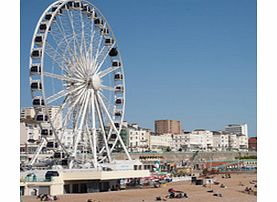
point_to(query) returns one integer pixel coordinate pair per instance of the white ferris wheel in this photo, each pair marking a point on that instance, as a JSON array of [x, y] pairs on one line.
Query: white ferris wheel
[[76, 69]]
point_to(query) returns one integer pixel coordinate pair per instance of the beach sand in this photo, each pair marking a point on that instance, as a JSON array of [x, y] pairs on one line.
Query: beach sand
[[233, 192]]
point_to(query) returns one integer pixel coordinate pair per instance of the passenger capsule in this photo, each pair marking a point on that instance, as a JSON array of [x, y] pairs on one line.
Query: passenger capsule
[[35, 69], [41, 118], [52, 145], [118, 76], [113, 135], [113, 52], [59, 155], [36, 53], [54, 8], [92, 14], [38, 102], [86, 8], [99, 22], [119, 88], [43, 27], [46, 132], [116, 63], [109, 41], [36, 85], [69, 5], [116, 125], [104, 31], [76, 5], [118, 113], [39, 40], [119, 101]]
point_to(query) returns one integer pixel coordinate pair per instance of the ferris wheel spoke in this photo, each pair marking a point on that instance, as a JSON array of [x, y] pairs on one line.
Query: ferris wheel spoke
[[62, 93], [71, 106], [90, 36], [75, 40], [100, 118], [62, 31], [107, 71], [98, 46], [90, 50], [61, 77], [107, 101], [103, 55], [80, 66], [56, 57], [83, 40], [113, 125], [109, 88]]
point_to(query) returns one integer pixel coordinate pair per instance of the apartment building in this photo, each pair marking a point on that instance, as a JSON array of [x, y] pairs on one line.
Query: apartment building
[[220, 140], [237, 129], [167, 127], [138, 138], [161, 142]]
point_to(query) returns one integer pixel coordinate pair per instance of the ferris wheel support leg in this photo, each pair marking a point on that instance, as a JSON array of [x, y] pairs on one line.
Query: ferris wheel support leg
[[93, 129], [79, 132], [103, 129], [37, 152], [117, 132]]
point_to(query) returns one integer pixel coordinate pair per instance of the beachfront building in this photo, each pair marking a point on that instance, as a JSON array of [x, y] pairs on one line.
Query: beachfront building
[[138, 138], [200, 139], [161, 142], [180, 142], [242, 142], [237, 129], [252, 143], [220, 141], [233, 142], [29, 137], [167, 127], [238, 136], [30, 131], [27, 113]]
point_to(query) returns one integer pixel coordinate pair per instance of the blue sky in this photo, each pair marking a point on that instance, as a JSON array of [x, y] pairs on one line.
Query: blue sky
[[190, 60]]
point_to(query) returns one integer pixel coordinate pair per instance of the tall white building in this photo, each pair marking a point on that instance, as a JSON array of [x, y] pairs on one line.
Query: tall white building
[[220, 140], [201, 139], [138, 138], [242, 142], [237, 129], [238, 136]]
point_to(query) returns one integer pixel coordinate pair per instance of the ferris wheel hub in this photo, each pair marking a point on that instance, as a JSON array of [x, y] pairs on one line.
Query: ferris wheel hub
[[94, 82]]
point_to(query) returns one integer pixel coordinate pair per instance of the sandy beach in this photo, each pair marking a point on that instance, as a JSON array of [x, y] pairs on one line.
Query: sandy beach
[[232, 193]]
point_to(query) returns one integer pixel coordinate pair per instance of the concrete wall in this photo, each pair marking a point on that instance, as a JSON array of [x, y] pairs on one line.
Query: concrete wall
[[179, 156]]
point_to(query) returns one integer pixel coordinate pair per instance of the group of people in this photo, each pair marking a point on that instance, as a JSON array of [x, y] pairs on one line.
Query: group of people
[[47, 197]]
